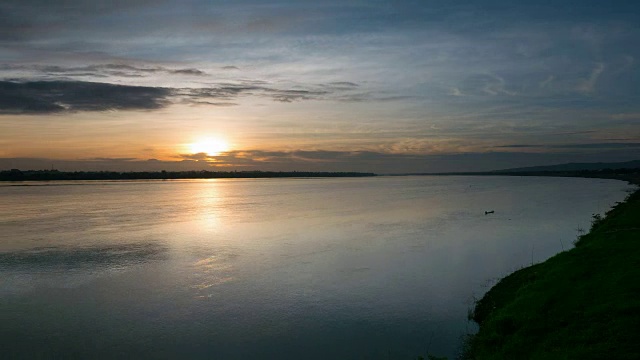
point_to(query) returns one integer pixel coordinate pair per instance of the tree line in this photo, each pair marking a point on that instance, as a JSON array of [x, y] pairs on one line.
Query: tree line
[[40, 175]]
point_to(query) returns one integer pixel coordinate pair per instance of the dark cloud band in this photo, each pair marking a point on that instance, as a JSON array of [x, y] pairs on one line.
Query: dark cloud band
[[608, 145], [45, 97], [102, 70]]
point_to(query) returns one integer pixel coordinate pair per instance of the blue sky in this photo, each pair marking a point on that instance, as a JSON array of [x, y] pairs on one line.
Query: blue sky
[[384, 86]]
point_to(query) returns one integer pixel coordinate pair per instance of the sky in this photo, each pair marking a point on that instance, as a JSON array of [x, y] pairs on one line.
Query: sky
[[380, 86]]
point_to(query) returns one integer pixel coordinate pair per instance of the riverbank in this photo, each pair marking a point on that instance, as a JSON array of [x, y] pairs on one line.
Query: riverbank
[[51, 175], [580, 304]]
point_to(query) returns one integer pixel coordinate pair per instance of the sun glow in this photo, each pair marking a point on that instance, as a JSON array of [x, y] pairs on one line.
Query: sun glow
[[209, 146]]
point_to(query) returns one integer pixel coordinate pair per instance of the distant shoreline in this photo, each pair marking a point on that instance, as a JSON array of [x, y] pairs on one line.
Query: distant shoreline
[[55, 175], [631, 175]]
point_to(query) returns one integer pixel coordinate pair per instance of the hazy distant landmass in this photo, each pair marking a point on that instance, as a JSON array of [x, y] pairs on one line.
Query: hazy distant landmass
[[47, 175], [578, 166], [628, 171], [569, 169]]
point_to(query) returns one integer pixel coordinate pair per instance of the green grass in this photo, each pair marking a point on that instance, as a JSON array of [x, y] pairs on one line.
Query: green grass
[[580, 304]]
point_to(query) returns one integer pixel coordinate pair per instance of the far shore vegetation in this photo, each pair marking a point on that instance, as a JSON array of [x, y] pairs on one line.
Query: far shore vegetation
[[53, 175]]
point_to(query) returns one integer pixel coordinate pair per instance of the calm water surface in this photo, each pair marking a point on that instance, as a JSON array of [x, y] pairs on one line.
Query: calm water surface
[[367, 268]]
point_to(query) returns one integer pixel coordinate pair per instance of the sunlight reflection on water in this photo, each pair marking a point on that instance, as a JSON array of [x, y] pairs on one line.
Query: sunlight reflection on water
[[211, 271]]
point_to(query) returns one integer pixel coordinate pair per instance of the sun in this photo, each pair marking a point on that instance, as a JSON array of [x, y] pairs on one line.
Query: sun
[[210, 146]]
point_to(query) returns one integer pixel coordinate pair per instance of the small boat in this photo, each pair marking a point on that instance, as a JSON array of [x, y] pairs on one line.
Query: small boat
[[489, 212]]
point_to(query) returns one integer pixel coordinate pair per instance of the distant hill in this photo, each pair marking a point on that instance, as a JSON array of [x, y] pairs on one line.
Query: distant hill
[[634, 164]]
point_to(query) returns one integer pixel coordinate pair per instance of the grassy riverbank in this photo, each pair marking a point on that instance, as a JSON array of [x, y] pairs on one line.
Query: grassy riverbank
[[580, 304]]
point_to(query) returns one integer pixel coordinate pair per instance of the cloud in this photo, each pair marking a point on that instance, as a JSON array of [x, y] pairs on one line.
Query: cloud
[[626, 116], [547, 81], [589, 84], [517, 146], [229, 91], [196, 156], [101, 70], [327, 160], [482, 85], [575, 146], [455, 92], [112, 159], [210, 103], [380, 162], [344, 83], [293, 95], [45, 97], [341, 85], [194, 72], [300, 157]]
